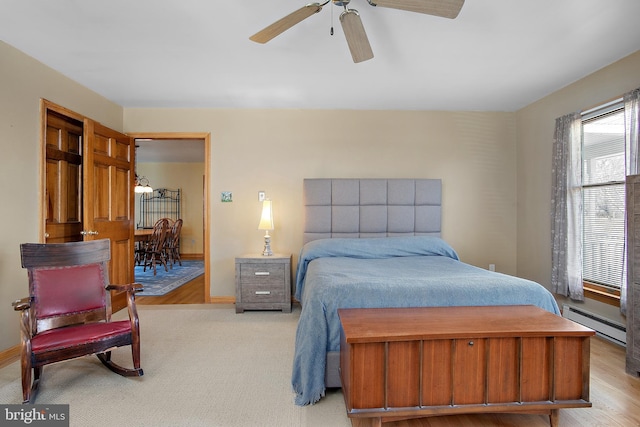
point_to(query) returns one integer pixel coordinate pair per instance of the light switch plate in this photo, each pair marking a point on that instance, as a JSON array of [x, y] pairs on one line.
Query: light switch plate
[[261, 196]]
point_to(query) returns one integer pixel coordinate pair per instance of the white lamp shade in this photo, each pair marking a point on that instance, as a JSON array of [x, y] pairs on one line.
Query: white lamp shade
[[142, 185], [143, 189], [266, 220]]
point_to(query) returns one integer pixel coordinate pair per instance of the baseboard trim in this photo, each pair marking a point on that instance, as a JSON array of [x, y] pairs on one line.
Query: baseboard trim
[[9, 355], [222, 300]]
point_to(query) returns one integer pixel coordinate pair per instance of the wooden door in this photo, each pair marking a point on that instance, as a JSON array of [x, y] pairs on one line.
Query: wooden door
[[63, 178], [108, 198]]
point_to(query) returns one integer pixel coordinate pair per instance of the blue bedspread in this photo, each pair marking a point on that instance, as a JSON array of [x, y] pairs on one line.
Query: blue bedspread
[[386, 272]]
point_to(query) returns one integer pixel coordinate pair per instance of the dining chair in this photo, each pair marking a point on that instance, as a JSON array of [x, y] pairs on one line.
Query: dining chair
[[173, 243], [154, 251]]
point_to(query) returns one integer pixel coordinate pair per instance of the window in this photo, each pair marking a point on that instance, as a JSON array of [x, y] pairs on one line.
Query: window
[[603, 195]]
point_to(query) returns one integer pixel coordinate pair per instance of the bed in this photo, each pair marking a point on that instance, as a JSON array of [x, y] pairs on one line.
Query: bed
[[377, 243]]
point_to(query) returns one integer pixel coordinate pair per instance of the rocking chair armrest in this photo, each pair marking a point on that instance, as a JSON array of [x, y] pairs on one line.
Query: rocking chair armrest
[[22, 304], [131, 287], [27, 326]]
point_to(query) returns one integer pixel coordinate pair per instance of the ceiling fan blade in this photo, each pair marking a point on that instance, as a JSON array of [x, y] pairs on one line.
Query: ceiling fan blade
[[356, 36], [443, 8], [285, 23]]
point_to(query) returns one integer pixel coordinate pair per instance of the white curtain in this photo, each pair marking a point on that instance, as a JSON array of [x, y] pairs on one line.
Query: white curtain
[[566, 208], [632, 125]]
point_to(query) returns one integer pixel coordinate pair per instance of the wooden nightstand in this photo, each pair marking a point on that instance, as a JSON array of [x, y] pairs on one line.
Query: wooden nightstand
[[263, 283]]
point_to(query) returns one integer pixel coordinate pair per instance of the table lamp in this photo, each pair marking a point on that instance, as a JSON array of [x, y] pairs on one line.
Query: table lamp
[[266, 223]]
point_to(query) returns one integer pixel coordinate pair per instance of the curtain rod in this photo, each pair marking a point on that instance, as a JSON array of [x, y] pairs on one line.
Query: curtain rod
[[600, 106]]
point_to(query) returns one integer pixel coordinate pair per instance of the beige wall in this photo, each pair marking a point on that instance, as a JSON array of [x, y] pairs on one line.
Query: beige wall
[[535, 125], [189, 178], [23, 81], [274, 150]]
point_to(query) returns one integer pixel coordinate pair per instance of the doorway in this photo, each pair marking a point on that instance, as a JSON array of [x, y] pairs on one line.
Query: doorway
[[151, 148]]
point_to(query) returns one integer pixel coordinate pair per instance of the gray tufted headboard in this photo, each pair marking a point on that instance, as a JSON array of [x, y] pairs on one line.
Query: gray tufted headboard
[[371, 207]]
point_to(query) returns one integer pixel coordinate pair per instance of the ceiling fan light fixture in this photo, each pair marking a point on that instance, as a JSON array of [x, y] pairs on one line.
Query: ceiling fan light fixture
[[356, 36], [352, 24]]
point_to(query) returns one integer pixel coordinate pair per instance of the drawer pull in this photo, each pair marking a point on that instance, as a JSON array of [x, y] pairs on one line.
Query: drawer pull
[[470, 342], [261, 273], [263, 292]]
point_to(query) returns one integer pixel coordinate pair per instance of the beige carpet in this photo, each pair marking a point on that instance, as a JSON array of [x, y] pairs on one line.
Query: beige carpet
[[204, 365]]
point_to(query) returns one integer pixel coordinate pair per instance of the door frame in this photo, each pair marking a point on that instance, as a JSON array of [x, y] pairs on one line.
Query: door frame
[[206, 137]]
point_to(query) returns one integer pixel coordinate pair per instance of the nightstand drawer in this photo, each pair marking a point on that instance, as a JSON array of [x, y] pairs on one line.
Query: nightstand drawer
[[263, 293], [262, 273]]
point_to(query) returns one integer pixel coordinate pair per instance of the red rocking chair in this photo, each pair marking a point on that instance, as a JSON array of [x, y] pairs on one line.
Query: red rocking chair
[[68, 311]]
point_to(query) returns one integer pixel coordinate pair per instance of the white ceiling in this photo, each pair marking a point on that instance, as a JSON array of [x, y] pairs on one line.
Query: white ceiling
[[498, 55]]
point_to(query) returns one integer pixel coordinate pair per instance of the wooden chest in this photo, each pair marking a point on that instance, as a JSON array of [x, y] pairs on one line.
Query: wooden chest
[[398, 363]]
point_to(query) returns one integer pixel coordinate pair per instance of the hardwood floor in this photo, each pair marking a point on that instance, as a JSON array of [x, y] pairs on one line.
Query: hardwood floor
[[614, 394], [190, 293]]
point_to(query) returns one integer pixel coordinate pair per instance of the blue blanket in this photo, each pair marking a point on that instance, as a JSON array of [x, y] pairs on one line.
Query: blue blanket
[[386, 272]]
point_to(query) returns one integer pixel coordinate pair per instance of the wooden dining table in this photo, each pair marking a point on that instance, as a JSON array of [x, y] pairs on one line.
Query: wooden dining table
[[142, 234]]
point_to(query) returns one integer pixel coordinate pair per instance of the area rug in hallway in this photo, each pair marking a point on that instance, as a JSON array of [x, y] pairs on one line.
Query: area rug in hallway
[[166, 281]]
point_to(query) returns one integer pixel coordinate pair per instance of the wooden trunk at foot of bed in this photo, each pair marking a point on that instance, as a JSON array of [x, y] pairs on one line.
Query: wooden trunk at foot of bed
[[404, 363]]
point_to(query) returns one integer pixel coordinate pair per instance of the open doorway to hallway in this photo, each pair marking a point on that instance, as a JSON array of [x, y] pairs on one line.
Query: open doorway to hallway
[[177, 165]]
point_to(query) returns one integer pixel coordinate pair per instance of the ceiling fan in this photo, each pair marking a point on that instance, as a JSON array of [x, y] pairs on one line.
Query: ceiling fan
[[352, 24]]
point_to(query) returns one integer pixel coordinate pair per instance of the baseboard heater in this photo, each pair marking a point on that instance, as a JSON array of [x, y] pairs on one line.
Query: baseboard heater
[[607, 329]]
